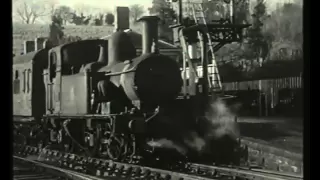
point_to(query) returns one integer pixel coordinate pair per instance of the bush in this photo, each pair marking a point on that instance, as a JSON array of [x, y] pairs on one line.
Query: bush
[[276, 69], [230, 73], [109, 19]]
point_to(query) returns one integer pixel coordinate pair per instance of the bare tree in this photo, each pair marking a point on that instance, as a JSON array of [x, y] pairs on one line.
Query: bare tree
[[86, 9], [52, 7], [28, 11], [65, 13], [136, 11]]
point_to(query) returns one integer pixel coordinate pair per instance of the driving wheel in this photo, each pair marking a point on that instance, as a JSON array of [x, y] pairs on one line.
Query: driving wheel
[[115, 147]]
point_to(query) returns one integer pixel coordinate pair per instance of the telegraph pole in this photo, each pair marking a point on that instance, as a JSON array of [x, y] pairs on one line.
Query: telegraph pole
[[233, 17]]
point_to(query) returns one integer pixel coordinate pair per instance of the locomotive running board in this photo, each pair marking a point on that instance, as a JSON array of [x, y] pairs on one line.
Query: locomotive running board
[[87, 116]]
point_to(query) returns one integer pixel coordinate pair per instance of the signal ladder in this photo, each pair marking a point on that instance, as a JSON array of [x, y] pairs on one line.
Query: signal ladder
[[214, 77]]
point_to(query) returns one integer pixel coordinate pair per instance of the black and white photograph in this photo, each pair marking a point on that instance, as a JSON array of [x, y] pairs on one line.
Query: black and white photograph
[[158, 90]]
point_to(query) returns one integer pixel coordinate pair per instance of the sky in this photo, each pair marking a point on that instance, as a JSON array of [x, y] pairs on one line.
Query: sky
[[105, 4], [86, 6], [110, 4], [95, 6]]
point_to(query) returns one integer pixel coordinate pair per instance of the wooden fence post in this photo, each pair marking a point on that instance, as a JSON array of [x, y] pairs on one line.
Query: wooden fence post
[[260, 98], [266, 97]]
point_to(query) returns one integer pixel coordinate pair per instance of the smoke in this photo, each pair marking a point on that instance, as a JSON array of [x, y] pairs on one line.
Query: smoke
[[219, 122], [192, 141], [165, 143], [222, 120], [195, 142]]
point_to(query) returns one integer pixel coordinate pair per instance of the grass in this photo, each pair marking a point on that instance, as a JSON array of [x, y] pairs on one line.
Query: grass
[[24, 32]]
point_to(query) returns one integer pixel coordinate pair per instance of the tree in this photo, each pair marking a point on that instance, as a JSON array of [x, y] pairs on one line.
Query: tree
[[65, 13], [214, 10], [285, 29], [83, 9], [242, 12], [97, 21], [56, 34], [285, 23], [28, 11], [162, 9], [109, 19], [80, 20], [52, 5], [136, 11], [256, 37]]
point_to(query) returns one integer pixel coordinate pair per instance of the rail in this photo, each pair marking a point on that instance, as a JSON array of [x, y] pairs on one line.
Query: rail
[[245, 172], [86, 167], [27, 169]]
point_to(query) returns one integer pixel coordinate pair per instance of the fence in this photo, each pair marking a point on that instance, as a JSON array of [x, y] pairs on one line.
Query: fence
[[269, 90], [264, 85]]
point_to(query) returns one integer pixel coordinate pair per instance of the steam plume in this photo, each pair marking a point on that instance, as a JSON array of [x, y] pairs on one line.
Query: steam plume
[[222, 120], [219, 122], [165, 143]]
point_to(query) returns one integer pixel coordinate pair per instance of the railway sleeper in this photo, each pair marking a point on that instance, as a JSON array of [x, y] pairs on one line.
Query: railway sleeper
[[107, 168]]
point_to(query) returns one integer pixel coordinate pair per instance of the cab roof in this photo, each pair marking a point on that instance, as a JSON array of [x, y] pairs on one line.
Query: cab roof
[[24, 58]]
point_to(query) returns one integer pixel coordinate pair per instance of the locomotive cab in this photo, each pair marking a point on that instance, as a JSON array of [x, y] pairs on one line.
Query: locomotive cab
[[64, 80]]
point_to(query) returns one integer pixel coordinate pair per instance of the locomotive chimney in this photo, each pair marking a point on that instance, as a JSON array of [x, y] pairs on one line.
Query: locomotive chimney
[[102, 55], [149, 34], [122, 19]]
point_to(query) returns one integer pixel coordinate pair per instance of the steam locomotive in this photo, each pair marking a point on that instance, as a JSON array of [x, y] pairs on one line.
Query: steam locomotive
[[96, 97]]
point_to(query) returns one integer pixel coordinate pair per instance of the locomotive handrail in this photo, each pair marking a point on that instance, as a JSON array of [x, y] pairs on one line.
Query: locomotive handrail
[[24, 80], [119, 73], [27, 81], [123, 72], [152, 116]]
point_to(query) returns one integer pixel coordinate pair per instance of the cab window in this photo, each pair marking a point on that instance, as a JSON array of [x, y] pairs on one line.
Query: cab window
[[16, 83], [52, 65]]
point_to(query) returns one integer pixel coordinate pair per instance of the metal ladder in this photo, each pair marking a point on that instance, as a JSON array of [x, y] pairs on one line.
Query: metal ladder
[[214, 77]]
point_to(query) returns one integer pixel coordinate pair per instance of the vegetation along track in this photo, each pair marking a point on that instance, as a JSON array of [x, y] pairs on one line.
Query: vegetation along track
[[93, 168]]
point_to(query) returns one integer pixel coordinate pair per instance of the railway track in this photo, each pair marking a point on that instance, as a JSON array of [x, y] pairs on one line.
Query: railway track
[[20, 172], [86, 167], [246, 173], [91, 168], [26, 169]]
